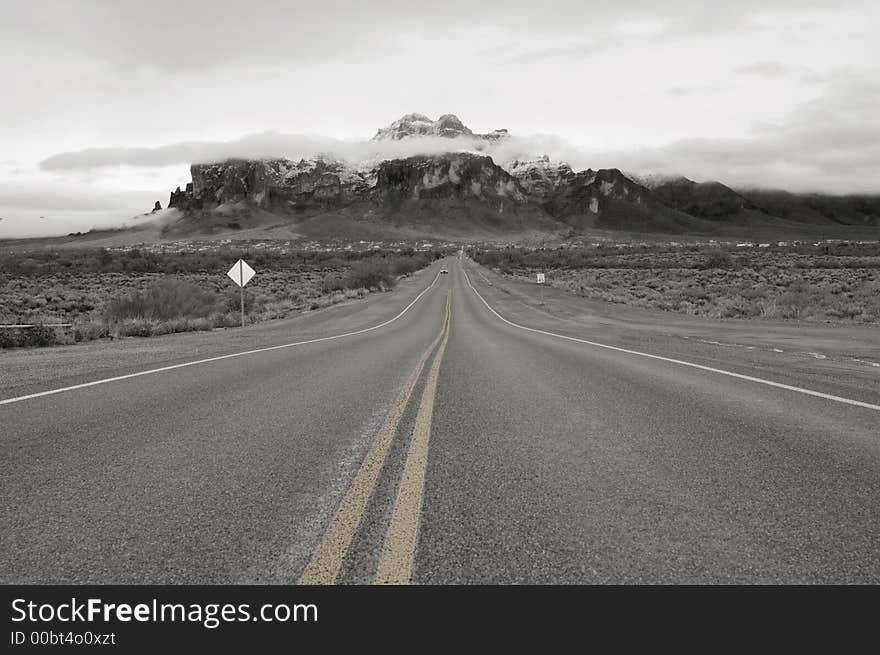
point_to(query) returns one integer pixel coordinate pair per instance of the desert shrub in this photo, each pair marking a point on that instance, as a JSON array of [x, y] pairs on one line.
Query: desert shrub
[[768, 308], [736, 308], [489, 258], [200, 324], [134, 327], [137, 260], [327, 300], [166, 327], [225, 319], [718, 259], [370, 274], [232, 301], [802, 282], [90, 331], [164, 300], [152, 328], [795, 300], [404, 265], [332, 282], [39, 335], [97, 290], [8, 338], [172, 325]]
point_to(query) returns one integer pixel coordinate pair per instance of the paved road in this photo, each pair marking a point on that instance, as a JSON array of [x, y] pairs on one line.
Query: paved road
[[446, 446]]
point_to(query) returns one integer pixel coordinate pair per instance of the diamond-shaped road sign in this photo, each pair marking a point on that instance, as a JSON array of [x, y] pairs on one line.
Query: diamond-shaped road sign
[[241, 273]]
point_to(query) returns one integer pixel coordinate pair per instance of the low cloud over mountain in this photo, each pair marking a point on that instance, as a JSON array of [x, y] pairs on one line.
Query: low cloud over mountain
[[411, 172], [830, 144], [462, 184], [498, 144]]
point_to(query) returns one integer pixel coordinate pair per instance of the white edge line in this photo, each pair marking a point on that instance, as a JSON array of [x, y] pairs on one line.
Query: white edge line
[[809, 392], [8, 401]]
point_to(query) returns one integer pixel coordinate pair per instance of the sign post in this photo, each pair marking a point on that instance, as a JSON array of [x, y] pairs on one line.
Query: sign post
[[541, 282], [241, 274]]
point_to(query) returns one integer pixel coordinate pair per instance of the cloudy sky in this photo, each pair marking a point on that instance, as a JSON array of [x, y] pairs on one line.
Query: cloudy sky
[[107, 102]]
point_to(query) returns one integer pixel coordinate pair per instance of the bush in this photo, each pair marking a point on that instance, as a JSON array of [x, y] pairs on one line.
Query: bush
[[225, 319], [90, 331], [164, 300], [333, 282], [134, 327], [405, 265], [370, 274], [232, 301], [39, 335], [99, 290], [795, 301], [201, 324], [718, 259]]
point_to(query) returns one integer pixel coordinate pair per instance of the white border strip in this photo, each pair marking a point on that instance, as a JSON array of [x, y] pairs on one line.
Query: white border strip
[[8, 401], [779, 385]]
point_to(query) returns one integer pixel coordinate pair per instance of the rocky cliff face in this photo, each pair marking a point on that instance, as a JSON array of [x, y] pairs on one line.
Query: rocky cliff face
[[422, 188], [563, 192], [271, 184], [460, 175], [451, 192], [318, 183], [540, 178], [467, 182]]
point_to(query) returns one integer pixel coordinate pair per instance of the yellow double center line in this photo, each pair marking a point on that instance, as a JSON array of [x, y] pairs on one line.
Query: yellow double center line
[[395, 564], [399, 549]]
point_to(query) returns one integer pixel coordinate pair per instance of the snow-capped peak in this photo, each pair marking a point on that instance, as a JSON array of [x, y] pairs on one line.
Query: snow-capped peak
[[539, 176], [418, 125], [540, 163], [654, 180]]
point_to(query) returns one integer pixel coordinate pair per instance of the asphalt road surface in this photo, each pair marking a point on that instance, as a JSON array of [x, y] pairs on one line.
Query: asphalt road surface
[[443, 444]]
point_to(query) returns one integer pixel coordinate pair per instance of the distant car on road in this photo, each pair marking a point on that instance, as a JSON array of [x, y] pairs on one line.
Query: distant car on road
[[443, 271]]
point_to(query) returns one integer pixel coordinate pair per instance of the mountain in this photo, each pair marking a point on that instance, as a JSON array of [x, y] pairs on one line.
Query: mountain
[[270, 183], [418, 125], [540, 178], [458, 194], [608, 199], [709, 200], [469, 195], [717, 202], [816, 208]]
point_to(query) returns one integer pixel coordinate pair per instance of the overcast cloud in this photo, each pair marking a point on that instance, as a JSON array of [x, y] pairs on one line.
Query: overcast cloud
[[107, 102]]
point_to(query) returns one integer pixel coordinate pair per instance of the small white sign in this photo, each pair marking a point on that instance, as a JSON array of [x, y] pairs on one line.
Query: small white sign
[[241, 273], [540, 278]]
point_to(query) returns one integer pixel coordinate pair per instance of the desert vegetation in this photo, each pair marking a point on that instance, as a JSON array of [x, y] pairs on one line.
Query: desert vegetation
[[104, 293], [831, 282]]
